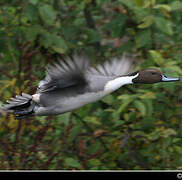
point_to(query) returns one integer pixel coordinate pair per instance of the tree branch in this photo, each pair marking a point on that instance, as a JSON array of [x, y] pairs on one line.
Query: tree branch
[[90, 22]]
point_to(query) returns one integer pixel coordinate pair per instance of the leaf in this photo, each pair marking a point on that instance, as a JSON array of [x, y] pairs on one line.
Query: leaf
[[47, 14], [124, 105], [164, 25], [149, 106], [33, 31], [94, 162], [176, 69], [162, 6], [140, 106], [147, 21], [139, 2], [73, 133], [148, 95], [94, 147], [31, 12], [168, 132], [51, 40], [176, 5], [124, 96], [129, 4], [178, 149], [92, 36], [59, 44], [93, 120], [138, 133], [72, 163], [143, 38], [58, 50], [108, 99], [34, 2], [157, 57], [153, 136], [116, 26]]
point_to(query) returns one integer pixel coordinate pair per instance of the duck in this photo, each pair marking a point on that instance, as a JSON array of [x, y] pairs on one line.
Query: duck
[[73, 82]]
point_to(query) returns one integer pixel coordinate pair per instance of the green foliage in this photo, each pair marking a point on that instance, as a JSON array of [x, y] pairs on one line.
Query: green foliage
[[137, 127]]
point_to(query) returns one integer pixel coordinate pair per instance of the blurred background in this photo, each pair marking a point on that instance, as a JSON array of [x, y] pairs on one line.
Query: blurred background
[[136, 128]]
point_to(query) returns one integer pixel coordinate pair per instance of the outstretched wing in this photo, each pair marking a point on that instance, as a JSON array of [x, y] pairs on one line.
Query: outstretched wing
[[68, 73], [65, 73], [113, 68], [98, 76]]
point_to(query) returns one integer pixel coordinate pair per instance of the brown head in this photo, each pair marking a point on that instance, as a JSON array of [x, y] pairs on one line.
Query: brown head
[[151, 75]]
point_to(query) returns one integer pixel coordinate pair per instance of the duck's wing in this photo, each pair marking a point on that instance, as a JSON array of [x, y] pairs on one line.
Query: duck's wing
[[113, 68], [65, 73]]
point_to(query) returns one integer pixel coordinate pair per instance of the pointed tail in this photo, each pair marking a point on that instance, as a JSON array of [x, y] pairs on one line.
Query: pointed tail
[[20, 106]]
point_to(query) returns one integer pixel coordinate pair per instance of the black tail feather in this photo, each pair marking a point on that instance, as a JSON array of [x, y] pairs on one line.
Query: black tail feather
[[20, 106]]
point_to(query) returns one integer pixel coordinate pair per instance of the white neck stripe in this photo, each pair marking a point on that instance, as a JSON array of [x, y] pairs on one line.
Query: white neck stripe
[[118, 82]]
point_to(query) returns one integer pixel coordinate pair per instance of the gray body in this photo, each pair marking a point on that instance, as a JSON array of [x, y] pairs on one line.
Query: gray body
[[90, 89]]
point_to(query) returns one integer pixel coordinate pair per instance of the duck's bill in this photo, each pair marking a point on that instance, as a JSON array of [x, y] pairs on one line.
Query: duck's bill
[[168, 79]]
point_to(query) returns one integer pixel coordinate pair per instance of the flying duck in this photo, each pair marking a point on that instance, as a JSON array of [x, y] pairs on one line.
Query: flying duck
[[72, 83]]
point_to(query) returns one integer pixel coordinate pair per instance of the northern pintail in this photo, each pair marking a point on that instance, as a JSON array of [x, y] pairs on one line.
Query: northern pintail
[[73, 83]]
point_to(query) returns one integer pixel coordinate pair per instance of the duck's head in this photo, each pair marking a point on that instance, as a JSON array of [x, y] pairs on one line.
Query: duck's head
[[151, 75]]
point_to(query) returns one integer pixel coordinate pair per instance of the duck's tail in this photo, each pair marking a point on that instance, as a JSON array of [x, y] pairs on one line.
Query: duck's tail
[[20, 106]]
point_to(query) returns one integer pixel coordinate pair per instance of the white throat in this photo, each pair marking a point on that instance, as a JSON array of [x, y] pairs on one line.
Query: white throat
[[118, 82]]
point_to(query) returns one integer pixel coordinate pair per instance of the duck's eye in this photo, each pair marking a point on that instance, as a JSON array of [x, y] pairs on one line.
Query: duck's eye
[[153, 73]]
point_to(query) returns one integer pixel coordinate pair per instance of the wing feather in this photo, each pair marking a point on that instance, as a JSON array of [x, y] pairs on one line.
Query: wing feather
[[65, 73], [113, 68], [78, 71]]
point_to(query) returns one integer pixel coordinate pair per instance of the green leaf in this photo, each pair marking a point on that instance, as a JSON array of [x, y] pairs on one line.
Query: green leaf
[[124, 105], [47, 14], [116, 26], [176, 5], [72, 163], [178, 149], [149, 106], [92, 119], [94, 147], [92, 36], [124, 96], [31, 12], [129, 4], [140, 106], [176, 69], [51, 40], [33, 31], [153, 136], [73, 133], [46, 39], [94, 162], [108, 99], [139, 2], [168, 132], [164, 25], [59, 44], [148, 95], [143, 38], [163, 6], [34, 2], [147, 21], [157, 57]]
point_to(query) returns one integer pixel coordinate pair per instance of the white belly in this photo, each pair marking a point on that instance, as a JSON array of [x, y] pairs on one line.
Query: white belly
[[79, 101]]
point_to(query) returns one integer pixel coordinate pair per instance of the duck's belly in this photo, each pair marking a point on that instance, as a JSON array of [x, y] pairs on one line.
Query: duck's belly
[[72, 103]]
